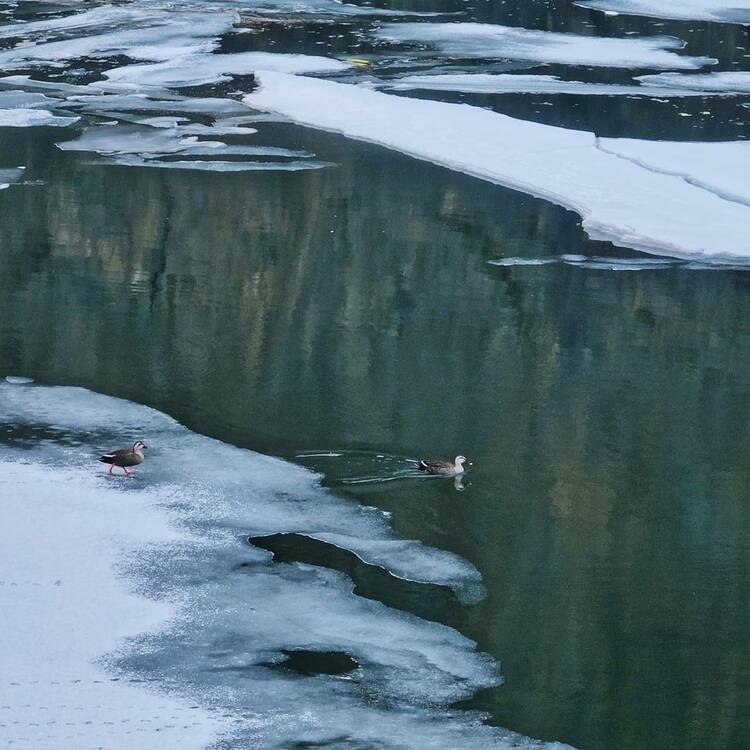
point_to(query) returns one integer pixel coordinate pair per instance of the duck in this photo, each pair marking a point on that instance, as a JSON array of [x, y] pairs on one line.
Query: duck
[[443, 468], [125, 457]]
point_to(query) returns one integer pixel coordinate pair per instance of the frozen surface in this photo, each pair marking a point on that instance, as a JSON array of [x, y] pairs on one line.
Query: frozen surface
[[24, 118], [140, 32], [87, 660], [620, 200], [727, 81], [729, 11], [64, 607], [517, 83], [488, 40], [722, 168]]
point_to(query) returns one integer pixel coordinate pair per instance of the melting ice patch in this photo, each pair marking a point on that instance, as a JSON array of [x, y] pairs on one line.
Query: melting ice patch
[[464, 40], [24, 118], [80, 541], [516, 83], [605, 263], [9, 176], [727, 11], [136, 31], [621, 201], [144, 146], [737, 82], [197, 70]]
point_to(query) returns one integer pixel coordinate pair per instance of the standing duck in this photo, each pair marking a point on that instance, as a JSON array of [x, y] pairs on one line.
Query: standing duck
[[125, 457], [443, 468]]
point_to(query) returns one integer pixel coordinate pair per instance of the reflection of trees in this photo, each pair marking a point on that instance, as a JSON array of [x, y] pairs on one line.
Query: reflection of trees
[[607, 411]]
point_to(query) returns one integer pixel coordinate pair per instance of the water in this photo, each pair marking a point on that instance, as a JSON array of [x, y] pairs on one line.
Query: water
[[353, 311]]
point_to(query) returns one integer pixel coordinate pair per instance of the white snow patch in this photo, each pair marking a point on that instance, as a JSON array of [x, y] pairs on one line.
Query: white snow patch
[[64, 607], [619, 200], [726, 11], [491, 41]]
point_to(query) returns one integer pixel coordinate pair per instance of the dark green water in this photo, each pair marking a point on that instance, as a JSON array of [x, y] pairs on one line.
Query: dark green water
[[352, 310]]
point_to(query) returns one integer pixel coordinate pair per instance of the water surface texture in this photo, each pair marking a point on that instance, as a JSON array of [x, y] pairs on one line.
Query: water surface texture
[[347, 308]]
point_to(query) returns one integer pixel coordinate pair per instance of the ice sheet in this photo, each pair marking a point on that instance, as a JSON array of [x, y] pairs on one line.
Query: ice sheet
[[619, 200], [465, 40], [84, 656], [731, 11], [287, 498], [727, 81], [722, 168], [516, 83]]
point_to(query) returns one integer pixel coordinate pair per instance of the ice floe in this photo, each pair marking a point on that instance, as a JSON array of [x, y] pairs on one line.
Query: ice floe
[[140, 32], [732, 81], [196, 70], [24, 118], [726, 11], [517, 83], [143, 146], [214, 619], [620, 200], [605, 263], [466, 40]]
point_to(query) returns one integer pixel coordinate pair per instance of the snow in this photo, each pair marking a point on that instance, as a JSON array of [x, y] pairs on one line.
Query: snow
[[135, 615], [24, 118], [465, 40], [619, 200], [510, 83], [734, 11], [64, 607], [737, 82]]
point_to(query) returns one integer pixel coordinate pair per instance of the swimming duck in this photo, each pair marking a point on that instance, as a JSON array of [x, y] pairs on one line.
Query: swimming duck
[[444, 468], [125, 457]]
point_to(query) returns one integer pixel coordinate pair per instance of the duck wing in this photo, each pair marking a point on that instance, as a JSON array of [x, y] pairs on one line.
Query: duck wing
[[114, 457]]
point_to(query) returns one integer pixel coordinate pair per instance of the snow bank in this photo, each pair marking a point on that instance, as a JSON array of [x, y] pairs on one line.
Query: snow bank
[[734, 11], [489, 40], [619, 200]]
